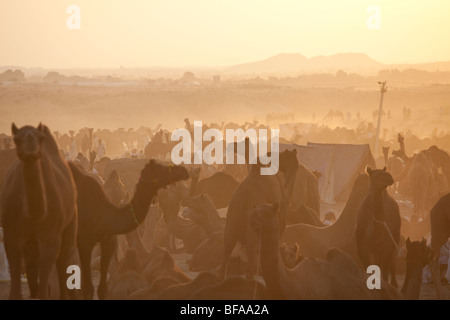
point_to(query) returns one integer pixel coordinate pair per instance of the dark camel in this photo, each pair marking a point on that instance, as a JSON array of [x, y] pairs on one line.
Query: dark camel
[[254, 190], [100, 220], [219, 187], [440, 232], [378, 225], [39, 213], [418, 255], [316, 241]]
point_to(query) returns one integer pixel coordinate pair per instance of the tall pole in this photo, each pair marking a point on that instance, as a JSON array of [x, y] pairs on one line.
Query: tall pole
[[383, 89]]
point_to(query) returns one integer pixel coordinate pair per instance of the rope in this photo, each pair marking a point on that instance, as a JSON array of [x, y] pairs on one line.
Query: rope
[[389, 232], [133, 214], [257, 263]]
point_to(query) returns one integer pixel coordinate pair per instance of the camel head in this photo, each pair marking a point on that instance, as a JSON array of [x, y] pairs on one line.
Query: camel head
[[197, 208], [418, 252], [160, 175], [28, 142], [290, 254], [289, 162], [380, 179]]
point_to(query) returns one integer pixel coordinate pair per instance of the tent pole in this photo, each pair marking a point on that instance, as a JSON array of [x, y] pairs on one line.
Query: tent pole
[[383, 89]]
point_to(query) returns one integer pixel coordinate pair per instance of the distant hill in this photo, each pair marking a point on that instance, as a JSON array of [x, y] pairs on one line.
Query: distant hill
[[297, 63]]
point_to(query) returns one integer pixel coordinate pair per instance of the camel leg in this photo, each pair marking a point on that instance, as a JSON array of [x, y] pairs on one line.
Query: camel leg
[[31, 258], [252, 254], [230, 241], [436, 272], [108, 249], [84, 251], [393, 270], [13, 251], [48, 252], [64, 259]]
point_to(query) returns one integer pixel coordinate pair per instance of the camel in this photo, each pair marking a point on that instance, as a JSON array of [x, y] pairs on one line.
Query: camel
[[7, 158], [127, 277], [39, 213], [290, 255], [418, 255], [423, 184], [304, 215], [337, 277], [394, 164], [306, 190], [188, 231], [316, 241], [256, 189], [440, 232], [100, 220], [378, 224], [219, 187]]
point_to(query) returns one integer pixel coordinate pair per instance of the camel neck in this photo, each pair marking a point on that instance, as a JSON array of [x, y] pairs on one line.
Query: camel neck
[[272, 268], [142, 199], [35, 189], [413, 280], [386, 159], [129, 217], [350, 211], [378, 203]]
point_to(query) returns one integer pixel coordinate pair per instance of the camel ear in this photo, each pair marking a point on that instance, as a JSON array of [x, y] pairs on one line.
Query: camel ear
[[14, 129], [294, 151], [369, 171], [384, 169], [40, 127], [424, 241], [202, 196]]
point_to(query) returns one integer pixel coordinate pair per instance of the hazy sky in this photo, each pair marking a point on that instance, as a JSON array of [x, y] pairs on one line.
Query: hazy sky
[[140, 33]]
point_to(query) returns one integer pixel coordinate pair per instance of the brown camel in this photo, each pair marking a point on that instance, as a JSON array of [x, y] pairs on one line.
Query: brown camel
[[418, 255], [304, 215], [423, 185], [306, 190], [338, 277], [378, 225], [219, 187], [127, 277], [39, 213], [440, 232], [256, 189], [100, 220], [316, 241], [394, 164]]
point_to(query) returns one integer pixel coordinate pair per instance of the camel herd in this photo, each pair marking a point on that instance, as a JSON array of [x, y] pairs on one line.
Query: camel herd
[[127, 222]]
